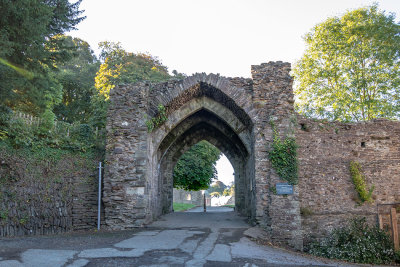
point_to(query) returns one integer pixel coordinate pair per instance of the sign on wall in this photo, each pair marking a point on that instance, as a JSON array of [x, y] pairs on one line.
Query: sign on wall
[[284, 189]]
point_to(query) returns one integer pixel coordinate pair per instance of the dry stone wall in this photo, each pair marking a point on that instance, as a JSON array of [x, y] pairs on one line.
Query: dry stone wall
[[46, 195]]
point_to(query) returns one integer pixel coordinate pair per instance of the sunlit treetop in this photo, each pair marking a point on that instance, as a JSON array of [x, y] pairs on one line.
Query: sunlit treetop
[[350, 70], [122, 67]]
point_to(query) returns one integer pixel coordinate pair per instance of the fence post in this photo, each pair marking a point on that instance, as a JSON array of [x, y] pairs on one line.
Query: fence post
[[380, 221], [395, 232], [99, 200]]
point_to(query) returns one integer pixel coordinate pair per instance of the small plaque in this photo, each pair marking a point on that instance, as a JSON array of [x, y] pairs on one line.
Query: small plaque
[[284, 189]]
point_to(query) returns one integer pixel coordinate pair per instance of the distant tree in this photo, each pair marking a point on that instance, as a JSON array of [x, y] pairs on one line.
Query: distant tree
[[227, 192], [350, 70], [217, 186], [122, 67], [215, 194], [195, 169], [31, 48]]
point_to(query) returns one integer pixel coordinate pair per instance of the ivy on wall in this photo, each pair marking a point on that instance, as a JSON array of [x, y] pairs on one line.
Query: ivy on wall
[[159, 119], [283, 157], [359, 182]]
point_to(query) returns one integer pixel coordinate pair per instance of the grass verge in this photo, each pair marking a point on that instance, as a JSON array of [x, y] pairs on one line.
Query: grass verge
[[182, 206]]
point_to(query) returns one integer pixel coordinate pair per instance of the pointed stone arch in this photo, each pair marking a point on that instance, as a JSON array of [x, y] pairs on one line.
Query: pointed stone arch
[[233, 114]]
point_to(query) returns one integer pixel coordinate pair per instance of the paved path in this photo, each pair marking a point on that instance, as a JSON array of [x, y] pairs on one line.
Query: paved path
[[211, 209], [178, 239]]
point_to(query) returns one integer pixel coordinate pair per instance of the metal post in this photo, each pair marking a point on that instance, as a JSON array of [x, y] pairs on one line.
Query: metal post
[[205, 204], [99, 202]]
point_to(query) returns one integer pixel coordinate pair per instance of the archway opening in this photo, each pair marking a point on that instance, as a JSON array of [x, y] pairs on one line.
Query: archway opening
[[203, 180], [208, 126]]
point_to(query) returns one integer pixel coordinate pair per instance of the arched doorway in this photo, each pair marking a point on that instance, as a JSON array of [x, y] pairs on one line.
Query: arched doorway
[[232, 114], [198, 118]]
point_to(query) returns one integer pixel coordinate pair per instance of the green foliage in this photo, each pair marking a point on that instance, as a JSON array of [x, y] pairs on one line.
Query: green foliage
[[227, 192], [195, 169], [47, 122], [283, 157], [182, 206], [122, 67], [350, 70], [77, 79], [217, 186], [357, 242], [215, 194], [4, 214], [359, 182], [159, 119], [65, 136], [31, 47], [397, 256], [3, 134], [20, 134]]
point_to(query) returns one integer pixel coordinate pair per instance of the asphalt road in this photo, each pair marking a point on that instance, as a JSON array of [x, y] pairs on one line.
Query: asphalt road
[[177, 239]]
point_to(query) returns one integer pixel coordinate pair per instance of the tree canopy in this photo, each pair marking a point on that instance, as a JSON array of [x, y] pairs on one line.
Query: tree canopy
[[31, 48], [122, 67], [195, 169], [350, 70], [77, 79]]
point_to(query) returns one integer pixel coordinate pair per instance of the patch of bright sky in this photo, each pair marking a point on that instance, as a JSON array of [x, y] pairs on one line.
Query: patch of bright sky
[[217, 36], [225, 170], [212, 36]]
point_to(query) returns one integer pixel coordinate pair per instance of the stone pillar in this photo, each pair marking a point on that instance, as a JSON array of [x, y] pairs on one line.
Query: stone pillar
[[125, 185], [273, 100]]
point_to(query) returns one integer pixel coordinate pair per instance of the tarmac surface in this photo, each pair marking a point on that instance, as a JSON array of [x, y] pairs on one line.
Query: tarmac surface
[[192, 238]]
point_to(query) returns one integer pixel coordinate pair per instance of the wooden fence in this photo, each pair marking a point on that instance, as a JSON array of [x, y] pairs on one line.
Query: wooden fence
[[60, 127], [388, 220]]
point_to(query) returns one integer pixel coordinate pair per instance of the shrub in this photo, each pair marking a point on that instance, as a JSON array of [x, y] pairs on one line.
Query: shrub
[[21, 134], [5, 116], [397, 256], [359, 182], [357, 242]]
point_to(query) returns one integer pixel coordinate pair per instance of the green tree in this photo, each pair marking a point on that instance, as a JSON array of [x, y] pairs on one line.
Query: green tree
[[350, 70], [195, 169], [218, 186], [122, 67], [77, 79], [215, 194], [30, 48]]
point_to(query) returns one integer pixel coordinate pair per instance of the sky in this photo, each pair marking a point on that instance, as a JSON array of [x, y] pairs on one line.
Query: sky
[[212, 36]]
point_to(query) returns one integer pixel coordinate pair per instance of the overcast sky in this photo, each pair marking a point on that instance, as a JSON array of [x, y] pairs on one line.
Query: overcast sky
[[212, 36]]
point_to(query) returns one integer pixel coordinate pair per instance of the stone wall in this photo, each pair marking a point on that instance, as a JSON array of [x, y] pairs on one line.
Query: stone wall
[[188, 197], [273, 103], [138, 183], [46, 193], [327, 194], [235, 115]]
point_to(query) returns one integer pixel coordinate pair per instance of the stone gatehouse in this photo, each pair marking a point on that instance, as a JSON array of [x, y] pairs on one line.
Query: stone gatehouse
[[234, 114]]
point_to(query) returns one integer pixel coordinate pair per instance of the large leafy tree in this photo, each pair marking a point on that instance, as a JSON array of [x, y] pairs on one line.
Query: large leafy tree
[[195, 169], [31, 48], [350, 70], [77, 79], [122, 67]]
